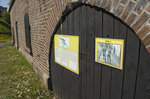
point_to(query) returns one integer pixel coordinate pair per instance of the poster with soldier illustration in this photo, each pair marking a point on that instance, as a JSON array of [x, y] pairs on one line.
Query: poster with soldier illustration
[[109, 52]]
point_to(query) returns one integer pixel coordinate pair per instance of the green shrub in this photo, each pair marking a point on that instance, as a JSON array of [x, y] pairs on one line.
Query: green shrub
[[4, 29], [6, 17]]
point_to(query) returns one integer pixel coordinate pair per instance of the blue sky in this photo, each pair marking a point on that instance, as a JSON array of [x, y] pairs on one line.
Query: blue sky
[[4, 3]]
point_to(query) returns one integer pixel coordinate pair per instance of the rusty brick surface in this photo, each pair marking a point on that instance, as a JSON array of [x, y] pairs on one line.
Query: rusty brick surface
[[124, 2], [119, 10], [131, 18], [97, 2], [143, 31], [126, 12], [142, 19], [103, 3], [114, 5], [146, 40], [148, 49], [148, 9], [108, 5], [140, 6]]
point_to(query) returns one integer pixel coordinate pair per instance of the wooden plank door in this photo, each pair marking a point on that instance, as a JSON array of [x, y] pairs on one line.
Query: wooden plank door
[[96, 80]]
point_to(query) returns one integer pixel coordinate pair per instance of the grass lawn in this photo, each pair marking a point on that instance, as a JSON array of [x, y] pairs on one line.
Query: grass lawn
[[17, 78], [5, 37], [4, 29]]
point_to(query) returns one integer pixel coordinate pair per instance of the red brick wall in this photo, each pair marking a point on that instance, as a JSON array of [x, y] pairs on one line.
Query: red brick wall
[[44, 15]]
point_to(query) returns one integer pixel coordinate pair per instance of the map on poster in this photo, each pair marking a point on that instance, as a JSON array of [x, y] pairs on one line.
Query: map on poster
[[67, 52], [109, 52]]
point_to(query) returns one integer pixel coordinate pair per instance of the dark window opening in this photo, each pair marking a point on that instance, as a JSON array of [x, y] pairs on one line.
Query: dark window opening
[[17, 35], [27, 34]]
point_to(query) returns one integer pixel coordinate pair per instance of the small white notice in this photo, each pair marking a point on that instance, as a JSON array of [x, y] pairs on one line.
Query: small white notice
[[64, 56], [73, 60], [57, 54], [64, 42]]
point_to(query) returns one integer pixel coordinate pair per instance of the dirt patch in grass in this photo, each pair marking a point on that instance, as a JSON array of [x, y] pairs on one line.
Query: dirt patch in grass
[[17, 78]]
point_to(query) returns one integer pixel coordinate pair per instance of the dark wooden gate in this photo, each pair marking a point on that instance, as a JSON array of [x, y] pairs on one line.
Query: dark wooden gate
[[17, 35], [95, 80]]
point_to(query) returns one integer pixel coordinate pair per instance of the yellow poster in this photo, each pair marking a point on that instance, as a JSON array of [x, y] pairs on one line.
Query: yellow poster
[[67, 51], [109, 52]]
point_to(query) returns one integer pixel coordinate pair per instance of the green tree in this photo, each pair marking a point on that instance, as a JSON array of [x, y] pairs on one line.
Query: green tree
[[6, 17], [10, 1]]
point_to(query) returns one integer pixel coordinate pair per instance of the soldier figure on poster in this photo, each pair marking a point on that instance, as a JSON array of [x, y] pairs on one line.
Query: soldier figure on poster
[[109, 53]]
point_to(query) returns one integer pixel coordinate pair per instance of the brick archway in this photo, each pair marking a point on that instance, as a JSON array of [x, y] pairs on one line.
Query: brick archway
[[135, 13]]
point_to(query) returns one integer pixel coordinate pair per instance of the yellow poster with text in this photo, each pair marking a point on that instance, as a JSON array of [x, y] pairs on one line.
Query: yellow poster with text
[[109, 52], [67, 51]]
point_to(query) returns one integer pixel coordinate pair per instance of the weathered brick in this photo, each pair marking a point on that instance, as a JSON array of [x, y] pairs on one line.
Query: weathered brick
[[127, 10], [114, 5], [148, 9], [108, 5], [103, 3], [140, 6], [119, 10], [97, 2], [143, 18], [146, 40], [148, 49], [131, 18], [124, 2], [143, 31]]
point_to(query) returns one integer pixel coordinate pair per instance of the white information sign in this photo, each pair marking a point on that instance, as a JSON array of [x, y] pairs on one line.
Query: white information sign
[[64, 56], [67, 52], [57, 54], [73, 60]]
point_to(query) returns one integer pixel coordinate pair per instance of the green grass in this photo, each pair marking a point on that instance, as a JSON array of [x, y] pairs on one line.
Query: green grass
[[1, 19], [17, 78], [4, 29], [5, 37]]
